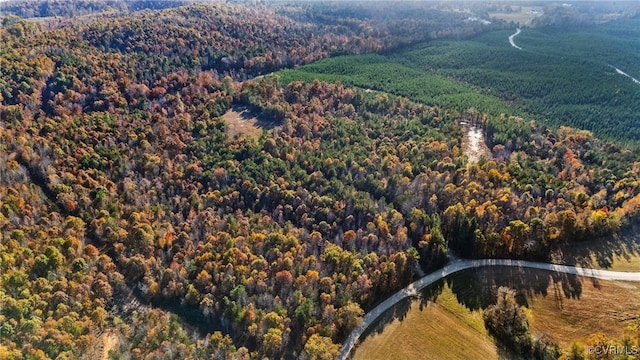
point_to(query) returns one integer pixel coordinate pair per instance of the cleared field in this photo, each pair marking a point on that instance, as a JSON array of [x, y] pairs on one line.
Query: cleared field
[[242, 121], [562, 307], [474, 145], [522, 15], [441, 330], [601, 306]]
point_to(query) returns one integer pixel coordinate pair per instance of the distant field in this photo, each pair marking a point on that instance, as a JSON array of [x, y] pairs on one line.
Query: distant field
[[521, 15], [559, 77], [563, 307]]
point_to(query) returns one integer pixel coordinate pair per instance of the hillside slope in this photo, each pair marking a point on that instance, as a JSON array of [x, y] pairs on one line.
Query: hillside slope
[[126, 209]]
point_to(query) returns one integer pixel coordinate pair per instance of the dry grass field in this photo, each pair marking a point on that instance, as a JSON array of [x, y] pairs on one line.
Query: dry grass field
[[603, 306], [521, 15], [441, 330], [241, 121]]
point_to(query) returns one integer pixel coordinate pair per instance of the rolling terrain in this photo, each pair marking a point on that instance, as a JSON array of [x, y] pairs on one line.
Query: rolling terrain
[[160, 197], [557, 77]]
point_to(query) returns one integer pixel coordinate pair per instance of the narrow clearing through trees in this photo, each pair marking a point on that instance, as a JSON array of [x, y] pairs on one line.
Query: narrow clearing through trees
[[241, 120], [473, 144], [513, 43]]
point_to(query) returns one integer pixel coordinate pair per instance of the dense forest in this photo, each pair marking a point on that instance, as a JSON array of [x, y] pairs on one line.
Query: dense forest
[[561, 77], [64, 9], [127, 212]]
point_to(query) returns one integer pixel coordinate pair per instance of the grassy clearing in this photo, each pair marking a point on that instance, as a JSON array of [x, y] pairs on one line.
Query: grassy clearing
[[474, 145], [441, 330], [603, 306], [242, 122], [562, 307], [521, 15], [618, 262]]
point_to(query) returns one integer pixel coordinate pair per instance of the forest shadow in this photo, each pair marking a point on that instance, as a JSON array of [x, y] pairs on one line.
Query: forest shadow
[[399, 312], [602, 252], [262, 120], [431, 293], [476, 289]]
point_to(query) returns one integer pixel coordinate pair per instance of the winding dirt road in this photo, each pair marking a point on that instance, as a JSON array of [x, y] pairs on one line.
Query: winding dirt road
[[459, 265], [513, 43]]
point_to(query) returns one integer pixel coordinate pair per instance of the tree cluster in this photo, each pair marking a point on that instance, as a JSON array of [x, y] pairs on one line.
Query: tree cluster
[[507, 321]]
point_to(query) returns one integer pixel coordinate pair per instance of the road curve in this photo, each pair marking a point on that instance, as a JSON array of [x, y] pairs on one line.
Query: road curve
[[513, 43], [413, 288]]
